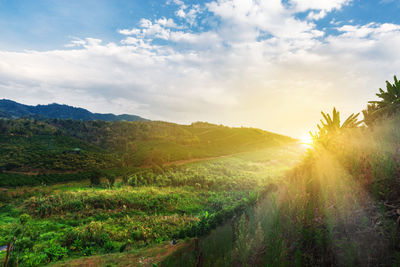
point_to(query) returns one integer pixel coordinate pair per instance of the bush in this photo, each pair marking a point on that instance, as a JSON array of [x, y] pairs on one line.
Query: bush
[[24, 218], [108, 247], [133, 180], [35, 259], [55, 251]]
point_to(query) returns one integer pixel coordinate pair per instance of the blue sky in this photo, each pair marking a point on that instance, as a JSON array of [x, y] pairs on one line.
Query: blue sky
[[268, 64], [50, 24]]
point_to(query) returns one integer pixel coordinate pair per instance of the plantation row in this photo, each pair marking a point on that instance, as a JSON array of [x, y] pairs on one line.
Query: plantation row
[[150, 201], [130, 209]]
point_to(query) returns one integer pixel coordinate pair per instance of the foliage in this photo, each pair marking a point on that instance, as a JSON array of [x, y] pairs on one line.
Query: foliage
[[74, 219], [325, 212], [387, 106], [330, 128]]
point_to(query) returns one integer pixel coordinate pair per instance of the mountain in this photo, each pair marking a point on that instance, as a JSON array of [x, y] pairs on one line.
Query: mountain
[[12, 109]]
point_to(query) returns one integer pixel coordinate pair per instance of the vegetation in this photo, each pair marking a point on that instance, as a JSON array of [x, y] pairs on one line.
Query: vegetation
[[153, 206], [387, 106], [33, 148], [331, 128], [338, 207]]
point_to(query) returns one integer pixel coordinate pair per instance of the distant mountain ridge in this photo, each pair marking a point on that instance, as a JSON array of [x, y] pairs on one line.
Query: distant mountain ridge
[[11, 109]]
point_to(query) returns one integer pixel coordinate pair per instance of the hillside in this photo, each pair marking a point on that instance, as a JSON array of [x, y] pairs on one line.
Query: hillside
[[11, 109], [68, 146]]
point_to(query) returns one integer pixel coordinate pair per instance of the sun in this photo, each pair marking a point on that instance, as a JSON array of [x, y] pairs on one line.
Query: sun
[[306, 141]]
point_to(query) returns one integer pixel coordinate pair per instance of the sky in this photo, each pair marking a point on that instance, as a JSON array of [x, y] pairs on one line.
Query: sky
[[272, 64]]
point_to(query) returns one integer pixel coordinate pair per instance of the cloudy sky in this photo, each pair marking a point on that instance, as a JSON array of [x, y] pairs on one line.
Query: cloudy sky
[[271, 64]]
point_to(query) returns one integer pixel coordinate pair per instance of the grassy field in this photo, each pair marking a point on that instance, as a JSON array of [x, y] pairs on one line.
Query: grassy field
[[151, 207]]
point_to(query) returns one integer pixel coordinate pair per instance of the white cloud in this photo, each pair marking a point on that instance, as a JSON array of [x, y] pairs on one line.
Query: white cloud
[[317, 15], [327, 5], [76, 42], [247, 20], [145, 23], [169, 23], [363, 31], [189, 14], [261, 67], [132, 31], [176, 2], [180, 13]]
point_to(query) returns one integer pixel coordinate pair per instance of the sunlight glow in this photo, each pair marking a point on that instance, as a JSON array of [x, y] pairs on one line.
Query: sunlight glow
[[306, 141]]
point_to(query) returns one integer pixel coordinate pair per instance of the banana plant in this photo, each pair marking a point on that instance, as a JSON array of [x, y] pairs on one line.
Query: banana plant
[[331, 127], [388, 105]]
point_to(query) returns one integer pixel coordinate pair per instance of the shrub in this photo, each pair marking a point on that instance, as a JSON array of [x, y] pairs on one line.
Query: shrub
[[55, 251], [108, 247], [133, 180], [24, 218], [35, 259]]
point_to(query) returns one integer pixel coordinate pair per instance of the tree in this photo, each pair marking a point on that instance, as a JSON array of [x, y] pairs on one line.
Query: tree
[[387, 106]]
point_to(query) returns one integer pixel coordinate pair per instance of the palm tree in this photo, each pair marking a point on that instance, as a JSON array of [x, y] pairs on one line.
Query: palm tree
[[388, 105], [330, 126]]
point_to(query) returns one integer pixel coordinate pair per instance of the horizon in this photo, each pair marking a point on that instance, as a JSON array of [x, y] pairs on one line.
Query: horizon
[[119, 114], [225, 62]]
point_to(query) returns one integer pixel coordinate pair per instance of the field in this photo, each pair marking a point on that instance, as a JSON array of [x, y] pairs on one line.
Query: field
[[141, 212]]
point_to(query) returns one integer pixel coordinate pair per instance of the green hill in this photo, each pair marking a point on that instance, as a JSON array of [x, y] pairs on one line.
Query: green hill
[[52, 146]]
